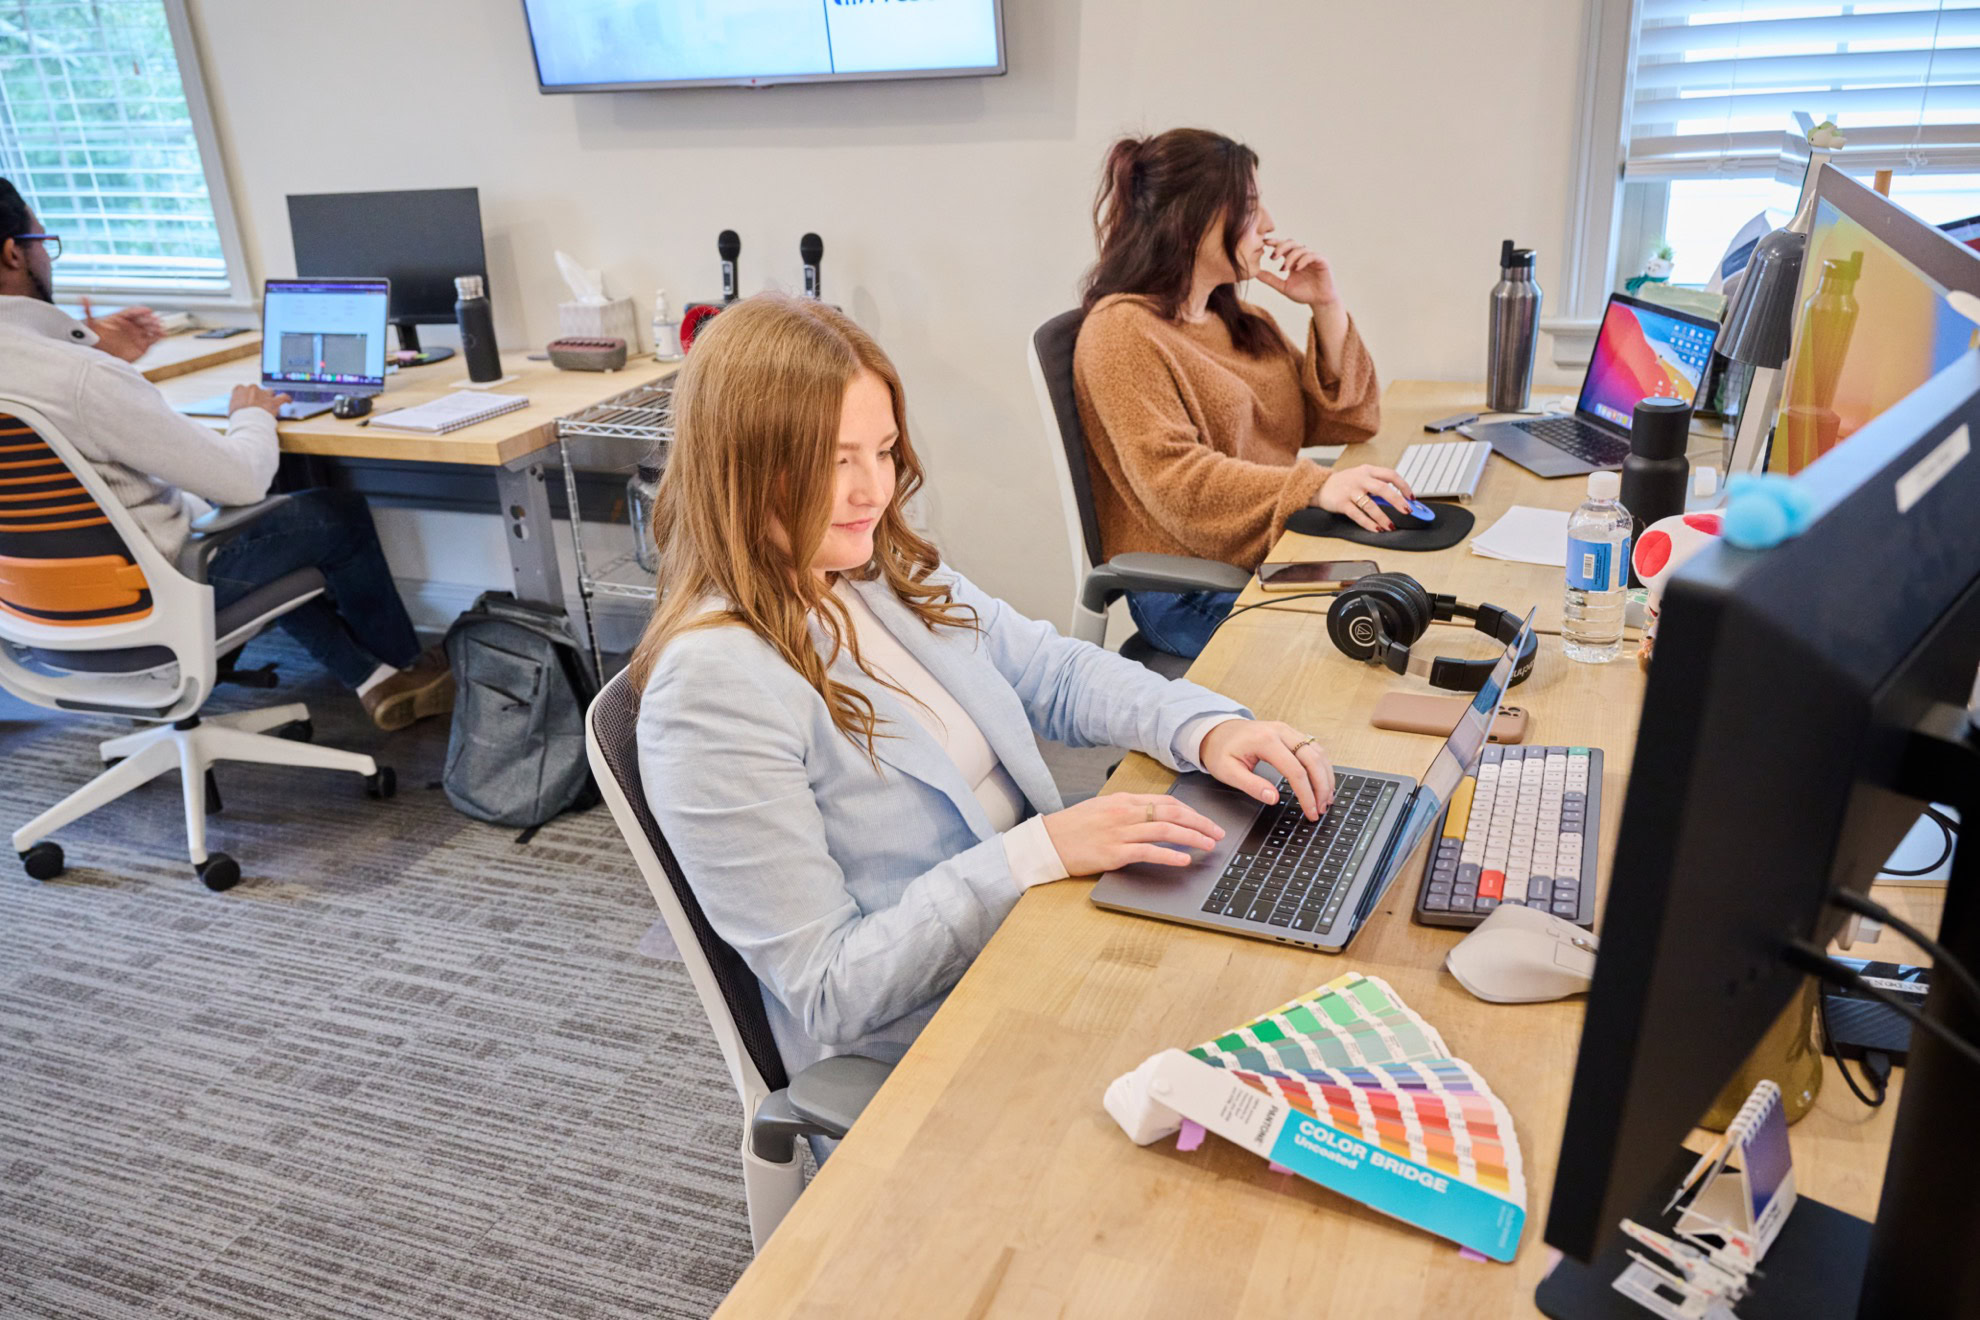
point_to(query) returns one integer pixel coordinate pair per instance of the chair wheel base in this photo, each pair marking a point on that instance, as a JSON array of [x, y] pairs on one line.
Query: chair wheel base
[[382, 784], [218, 872], [43, 861]]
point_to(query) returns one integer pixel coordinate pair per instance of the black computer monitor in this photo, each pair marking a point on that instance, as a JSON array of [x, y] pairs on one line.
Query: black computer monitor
[[419, 240], [1804, 701]]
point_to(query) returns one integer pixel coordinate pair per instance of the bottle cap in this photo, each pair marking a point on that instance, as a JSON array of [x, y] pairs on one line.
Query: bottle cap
[[469, 286], [1604, 485], [1660, 428], [1705, 483]]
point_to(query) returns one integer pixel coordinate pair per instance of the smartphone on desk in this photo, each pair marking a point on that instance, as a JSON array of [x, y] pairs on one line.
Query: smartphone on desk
[[1313, 575], [1419, 712]]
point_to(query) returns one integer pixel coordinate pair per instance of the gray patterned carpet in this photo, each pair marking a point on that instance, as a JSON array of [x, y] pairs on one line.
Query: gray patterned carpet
[[407, 1068]]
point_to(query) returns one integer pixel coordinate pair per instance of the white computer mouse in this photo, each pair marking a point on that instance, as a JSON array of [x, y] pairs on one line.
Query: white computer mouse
[[1521, 955]]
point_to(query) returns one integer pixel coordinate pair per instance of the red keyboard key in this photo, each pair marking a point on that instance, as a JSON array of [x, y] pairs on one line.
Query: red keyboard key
[[1491, 884]]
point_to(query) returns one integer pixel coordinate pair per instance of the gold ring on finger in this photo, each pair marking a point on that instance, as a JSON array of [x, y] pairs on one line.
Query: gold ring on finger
[[1304, 743], [1151, 813]]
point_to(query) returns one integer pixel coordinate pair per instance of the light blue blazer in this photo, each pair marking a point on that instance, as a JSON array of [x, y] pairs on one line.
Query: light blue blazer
[[857, 895]]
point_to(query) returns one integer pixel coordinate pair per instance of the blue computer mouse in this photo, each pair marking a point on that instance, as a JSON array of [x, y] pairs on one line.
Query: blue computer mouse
[[1417, 514]]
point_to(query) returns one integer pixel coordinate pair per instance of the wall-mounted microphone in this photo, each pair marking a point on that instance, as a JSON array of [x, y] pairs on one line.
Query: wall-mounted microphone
[[730, 247], [811, 249]]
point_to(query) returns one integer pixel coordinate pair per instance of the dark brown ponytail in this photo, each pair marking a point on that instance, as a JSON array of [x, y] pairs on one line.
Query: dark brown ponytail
[[1157, 196]]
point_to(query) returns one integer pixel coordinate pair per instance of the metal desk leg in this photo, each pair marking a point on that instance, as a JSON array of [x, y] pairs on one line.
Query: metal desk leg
[[525, 495]]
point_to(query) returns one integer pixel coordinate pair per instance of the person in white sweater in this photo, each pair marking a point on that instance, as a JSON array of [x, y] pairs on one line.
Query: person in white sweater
[[168, 470]]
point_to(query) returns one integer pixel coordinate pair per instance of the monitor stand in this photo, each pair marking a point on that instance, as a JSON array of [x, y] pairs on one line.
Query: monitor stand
[[409, 343], [1812, 1271]]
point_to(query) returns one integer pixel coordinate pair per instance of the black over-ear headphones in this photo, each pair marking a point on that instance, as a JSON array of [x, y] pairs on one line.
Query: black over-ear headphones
[[1379, 617]]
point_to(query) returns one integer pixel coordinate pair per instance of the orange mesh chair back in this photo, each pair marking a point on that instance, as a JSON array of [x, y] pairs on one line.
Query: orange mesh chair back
[[62, 563]]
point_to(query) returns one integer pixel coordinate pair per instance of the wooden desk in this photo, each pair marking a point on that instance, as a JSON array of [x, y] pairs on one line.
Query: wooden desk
[[986, 1180], [514, 444], [183, 354]]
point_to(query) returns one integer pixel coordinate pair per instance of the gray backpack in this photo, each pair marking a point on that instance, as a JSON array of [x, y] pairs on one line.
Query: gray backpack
[[515, 755]]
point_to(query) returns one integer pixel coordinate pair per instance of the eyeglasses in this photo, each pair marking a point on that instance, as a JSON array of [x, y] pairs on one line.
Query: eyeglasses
[[53, 241]]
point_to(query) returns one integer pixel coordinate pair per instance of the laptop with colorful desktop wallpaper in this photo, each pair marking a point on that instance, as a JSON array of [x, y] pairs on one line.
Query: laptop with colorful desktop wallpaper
[[1643, 351]]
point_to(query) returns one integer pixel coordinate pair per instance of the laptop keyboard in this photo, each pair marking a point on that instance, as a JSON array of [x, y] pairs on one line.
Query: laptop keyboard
[[1294, 872], [1583, 441]]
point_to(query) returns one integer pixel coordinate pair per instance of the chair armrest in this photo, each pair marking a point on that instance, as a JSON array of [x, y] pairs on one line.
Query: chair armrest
[[215, 528], [1146, 572], [832, 1092], [821, 1101]]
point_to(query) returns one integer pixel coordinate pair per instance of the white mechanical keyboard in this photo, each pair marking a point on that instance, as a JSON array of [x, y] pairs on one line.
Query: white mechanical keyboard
[[1444, 470], [1522, 831]]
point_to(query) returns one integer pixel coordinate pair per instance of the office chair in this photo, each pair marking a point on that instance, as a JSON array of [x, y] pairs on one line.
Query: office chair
[[825, 1098], [1098, 581], [94, 617]]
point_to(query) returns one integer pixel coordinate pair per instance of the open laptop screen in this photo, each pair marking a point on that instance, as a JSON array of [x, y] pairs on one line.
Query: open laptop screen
[[324, 332], [1453, 761], [1643, 351]]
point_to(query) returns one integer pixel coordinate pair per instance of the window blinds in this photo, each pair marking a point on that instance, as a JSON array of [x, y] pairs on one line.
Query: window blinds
[[96, 134], [1730, 87]]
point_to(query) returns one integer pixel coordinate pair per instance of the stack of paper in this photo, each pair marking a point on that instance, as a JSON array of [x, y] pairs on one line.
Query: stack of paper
[[1347, 1087], [1526, 536]]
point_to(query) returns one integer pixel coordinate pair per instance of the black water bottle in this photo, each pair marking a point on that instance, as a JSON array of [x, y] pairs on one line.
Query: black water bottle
[[477, 322], [1655, 474]]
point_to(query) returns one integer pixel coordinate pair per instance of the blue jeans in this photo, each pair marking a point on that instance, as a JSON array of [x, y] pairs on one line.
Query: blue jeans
[[359, 622], [1179, 623]]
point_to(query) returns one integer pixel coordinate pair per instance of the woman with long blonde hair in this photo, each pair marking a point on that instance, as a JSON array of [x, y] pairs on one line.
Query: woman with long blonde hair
[[836, 730]]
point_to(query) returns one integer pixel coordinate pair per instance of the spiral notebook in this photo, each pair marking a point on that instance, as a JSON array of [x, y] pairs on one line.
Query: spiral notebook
[[451, 412]]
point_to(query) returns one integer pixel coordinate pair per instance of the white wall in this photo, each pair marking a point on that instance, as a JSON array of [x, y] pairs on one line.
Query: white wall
[[1401, 140]]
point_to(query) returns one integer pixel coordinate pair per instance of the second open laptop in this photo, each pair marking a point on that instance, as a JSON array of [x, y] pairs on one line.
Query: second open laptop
[[1276, 875], [319, 339], [1643, 350]]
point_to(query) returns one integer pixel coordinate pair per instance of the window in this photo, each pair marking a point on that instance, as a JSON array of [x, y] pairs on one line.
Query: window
[[105, 131], [1709, 103]]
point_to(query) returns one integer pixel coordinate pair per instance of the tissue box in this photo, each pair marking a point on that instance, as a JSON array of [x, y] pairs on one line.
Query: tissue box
[[613, 320]]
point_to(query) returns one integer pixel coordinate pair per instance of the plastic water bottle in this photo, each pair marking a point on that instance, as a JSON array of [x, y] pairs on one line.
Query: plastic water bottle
[[642, 491], [666, 331], [1597, 573]]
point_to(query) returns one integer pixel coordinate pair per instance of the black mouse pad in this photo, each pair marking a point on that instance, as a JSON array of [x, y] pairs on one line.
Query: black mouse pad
[[1453, 524]]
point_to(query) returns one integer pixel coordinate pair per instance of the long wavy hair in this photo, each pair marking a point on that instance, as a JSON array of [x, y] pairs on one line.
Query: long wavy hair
[[748, 494], [1158, 196]]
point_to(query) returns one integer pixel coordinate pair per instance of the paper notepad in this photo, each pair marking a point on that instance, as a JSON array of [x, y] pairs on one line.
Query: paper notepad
[[1348, 1088], [451, 412], [1527, 536]]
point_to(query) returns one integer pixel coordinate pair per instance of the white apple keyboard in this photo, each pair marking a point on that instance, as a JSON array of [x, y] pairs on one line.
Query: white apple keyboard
[[1444, 470]]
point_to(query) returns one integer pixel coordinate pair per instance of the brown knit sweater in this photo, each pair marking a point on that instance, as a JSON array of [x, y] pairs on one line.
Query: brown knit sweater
[[1193, 447]]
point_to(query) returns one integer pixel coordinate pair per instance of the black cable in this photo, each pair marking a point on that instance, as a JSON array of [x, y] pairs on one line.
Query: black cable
[[1864, 905], [1842, 1065], [1811, 959], [1946, 828], [1259, 605]]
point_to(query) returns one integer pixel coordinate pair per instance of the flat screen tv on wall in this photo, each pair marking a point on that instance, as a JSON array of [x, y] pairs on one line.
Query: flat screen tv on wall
[[625, 45]]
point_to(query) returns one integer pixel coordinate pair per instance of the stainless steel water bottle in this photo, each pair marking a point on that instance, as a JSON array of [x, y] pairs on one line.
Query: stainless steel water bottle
[[477, 322], [1515, 331]]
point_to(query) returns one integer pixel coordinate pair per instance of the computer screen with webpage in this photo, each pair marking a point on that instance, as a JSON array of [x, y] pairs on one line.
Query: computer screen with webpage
[[1870, 328], [1644, 352], [329, 332]]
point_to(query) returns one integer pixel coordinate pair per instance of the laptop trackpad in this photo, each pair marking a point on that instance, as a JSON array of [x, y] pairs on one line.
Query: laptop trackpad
[[1233, 810]]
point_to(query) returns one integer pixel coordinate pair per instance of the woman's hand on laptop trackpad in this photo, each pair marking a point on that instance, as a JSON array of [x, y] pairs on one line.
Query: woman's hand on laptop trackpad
[[1232, 750], [1115, 830]]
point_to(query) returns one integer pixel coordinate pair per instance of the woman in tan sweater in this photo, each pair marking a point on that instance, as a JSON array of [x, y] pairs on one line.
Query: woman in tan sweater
[[1194, 403]]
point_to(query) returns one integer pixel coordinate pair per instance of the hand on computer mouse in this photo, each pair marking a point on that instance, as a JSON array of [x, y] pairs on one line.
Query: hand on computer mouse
[[1408, 517], [1351, 492]]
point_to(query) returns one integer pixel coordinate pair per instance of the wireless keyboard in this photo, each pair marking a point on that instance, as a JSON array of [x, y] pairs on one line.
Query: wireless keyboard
[[1445, 470], [1521, 829]]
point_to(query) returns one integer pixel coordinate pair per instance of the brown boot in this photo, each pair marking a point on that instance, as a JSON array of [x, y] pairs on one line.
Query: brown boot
[[412, 694]]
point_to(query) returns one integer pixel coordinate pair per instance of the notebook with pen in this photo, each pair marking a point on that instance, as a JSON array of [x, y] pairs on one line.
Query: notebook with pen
[[450, 412]]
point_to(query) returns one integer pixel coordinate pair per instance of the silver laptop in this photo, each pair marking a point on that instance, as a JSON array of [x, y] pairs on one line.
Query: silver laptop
[[1643, 349], [1276, 875], [319, 339]]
